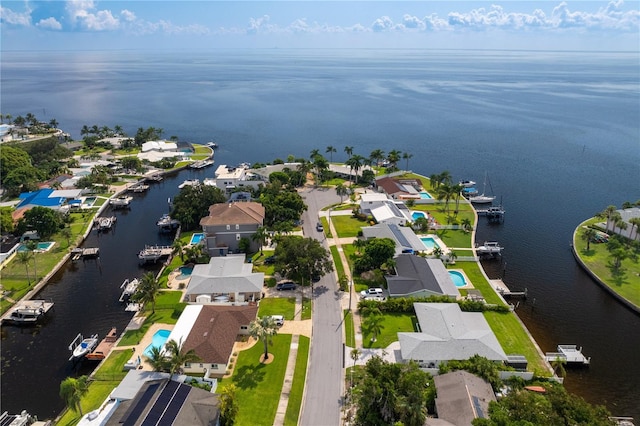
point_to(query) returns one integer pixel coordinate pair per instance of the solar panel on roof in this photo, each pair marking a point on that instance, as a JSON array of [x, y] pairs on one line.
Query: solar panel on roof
[[161, 403], [399, 236], [174, 406], [6, 421], [132, 415], [477, 407]]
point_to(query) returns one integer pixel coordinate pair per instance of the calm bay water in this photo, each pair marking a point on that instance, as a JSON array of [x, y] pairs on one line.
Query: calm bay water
[[557, 133]]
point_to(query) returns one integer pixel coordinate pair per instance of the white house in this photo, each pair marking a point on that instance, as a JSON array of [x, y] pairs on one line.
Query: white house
[[225, 279], [448, 334], [405, 239], [229, 178], [420, 277]]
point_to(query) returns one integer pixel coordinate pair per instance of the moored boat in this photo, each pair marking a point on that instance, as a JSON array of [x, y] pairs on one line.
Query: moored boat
[[81, 346], [128, 289], [28, 312], [467, 183], [167, 224], [189, 182]]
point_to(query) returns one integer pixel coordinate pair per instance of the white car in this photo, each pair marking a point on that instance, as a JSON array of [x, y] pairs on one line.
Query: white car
[[372, 292], [278, 319]]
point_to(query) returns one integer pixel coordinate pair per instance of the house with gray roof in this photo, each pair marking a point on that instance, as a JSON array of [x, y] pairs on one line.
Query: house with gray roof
[[630, 231], [462, 397], [420, 277], [448, 334], [224, 279], [406, 240]]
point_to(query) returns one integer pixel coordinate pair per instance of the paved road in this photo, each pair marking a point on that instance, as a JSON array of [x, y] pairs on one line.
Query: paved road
[[323, 392]]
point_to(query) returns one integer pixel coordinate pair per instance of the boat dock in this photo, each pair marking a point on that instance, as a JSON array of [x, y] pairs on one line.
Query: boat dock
[[104, 223], [500, 287], [200, 164], [81, 253], [153, 253], [104, 347], [128, 289], [138, 187], [491, 248], [81, 346], [493, 213], [155, 178], [120, 202], [571, 354], [27, 312]]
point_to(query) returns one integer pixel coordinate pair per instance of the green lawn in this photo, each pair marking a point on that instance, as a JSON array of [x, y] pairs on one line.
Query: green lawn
[[625, 281], [278, 306], [259, 385], [306, 308], [167, 312], [297, 386], [515, 341], [455, 238], [473, 272], [349, 331], [392, 324], [336, 260], [347, 226]]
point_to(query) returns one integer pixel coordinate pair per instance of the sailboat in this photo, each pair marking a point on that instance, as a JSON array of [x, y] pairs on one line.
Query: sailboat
[[482, 198]]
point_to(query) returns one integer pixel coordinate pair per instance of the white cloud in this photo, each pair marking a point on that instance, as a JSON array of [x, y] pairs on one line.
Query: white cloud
[[127, 15], [49, 24], [8, 16], [82, 13], [261, 25]]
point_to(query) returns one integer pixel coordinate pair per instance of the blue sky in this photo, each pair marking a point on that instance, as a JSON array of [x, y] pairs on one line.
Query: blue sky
[[158, 24]]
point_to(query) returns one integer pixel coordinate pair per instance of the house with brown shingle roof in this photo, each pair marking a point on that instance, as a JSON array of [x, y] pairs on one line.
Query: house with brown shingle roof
[[229, 223], [211, 331], [399, 189]]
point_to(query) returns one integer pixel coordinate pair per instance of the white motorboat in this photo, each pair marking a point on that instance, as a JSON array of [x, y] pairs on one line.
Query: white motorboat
[[128, 289], [120, 202], [212, 145], [81, 346], [467, 183], [200, 164], [167, 224], [189, 182], [489, 247]]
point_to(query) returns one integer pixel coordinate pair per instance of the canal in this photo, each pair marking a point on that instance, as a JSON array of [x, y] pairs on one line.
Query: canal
[[85, 293]]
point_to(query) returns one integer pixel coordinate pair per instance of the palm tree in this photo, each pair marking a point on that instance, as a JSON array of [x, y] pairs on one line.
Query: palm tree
[[635, 222], [437, 252], [157, 359], [304, 168], [264, 328], [177, 357], [85, 130], [260, 236], [331, 150], [466, 224], [320, 164], [457, 192], [118, 129], [24, 257], [53, 123], [72, 390], [354, 162], [148, 291], [32, 246], [194, 253], [67, 234], [348, 150], [355, 354], [407, 156], [393, 158], [453, 256], [372, 325], [359, 244], [588, 235], [608, 213], [558, 366], [377, 155], [314, 154], [178, 248], [342, 191]]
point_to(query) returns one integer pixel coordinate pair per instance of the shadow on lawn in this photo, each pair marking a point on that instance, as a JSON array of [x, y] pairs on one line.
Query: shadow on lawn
[[249, 376]]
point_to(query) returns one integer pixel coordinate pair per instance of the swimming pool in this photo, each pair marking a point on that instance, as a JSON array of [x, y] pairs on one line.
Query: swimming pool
[[40, 247], [185, 272], [429, 242], [416, 215], [196, 238], [89, 201], [425, 195], [159, 339], [458, 278]]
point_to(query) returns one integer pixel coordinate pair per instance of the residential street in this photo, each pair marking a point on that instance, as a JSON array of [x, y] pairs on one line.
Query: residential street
[[323, 394]]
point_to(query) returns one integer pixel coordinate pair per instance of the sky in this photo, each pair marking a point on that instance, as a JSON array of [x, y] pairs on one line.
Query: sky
[[159, 24]]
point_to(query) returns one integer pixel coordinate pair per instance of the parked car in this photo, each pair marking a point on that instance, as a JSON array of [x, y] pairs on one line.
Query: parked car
[[289, 285], [372, 292], [319, 227], [270, 260], [278, 319]]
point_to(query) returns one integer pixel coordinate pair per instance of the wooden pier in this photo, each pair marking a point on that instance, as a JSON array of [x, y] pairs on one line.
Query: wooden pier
[[82, 253], [571, 354], [493, 213], [105, 223], [153, 253], [104, 347], [138, 187], [27, 312], [504, 291], [120, 202]]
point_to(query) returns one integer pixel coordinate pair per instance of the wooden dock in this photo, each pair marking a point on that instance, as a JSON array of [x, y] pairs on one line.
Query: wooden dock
[[571, 354], [493, 213], [153, 253], [104, 347], [105, 223], [82, 253], [27, 311], [138, 187], [501, 288]]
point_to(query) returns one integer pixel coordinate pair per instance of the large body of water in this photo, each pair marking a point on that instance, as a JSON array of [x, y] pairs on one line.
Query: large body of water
[[557, 133]]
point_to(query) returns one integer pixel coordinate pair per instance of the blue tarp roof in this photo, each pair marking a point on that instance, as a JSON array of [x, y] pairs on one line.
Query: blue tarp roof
[[40, 198]]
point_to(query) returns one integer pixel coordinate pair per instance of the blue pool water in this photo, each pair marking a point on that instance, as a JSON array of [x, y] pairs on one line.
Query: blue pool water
[[159, 339], [185, 272], [89, 201], [416, 215], [429, 242], [43, 246], [458, 278], [196, 238], [425, 195]]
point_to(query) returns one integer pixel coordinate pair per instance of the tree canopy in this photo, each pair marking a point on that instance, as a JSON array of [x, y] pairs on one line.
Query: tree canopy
[[376, 252], [12, 158], [192, 204], [43, 220], [301, 258], [281, 205]]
